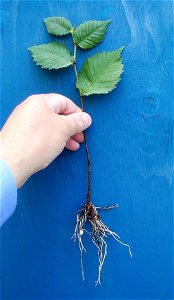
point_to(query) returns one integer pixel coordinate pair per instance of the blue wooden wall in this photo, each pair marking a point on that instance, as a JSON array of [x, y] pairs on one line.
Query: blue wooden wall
[[130, 143]]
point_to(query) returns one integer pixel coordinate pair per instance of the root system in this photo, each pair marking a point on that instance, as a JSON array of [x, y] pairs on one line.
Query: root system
[[98, 234]]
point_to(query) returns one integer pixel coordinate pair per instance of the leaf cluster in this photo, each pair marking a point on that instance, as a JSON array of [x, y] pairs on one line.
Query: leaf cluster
[[100, 73]]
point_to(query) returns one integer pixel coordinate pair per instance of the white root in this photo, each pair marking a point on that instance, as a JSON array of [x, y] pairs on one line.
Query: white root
[[100, 232]]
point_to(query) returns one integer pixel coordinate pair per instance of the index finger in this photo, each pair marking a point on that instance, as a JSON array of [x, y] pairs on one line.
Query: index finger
[[60, 104]]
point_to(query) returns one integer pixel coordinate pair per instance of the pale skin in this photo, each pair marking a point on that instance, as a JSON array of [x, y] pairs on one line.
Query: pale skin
[[38, 130]]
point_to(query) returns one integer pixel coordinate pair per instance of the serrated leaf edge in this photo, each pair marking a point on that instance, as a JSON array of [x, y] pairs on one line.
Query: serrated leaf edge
[[59, 25], [53, 68], [119, 78], [108, 22]]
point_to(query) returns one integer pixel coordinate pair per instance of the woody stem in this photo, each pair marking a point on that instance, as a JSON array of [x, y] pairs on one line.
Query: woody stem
[[88, 159]]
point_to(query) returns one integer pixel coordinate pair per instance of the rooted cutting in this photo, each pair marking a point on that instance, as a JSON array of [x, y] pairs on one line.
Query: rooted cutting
[[99, 74]]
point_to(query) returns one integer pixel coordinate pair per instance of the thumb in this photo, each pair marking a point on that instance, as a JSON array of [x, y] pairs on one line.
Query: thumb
[[77, 122]]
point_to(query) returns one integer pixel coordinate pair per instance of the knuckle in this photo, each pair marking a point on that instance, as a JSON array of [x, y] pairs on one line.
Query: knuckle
[[32, 98], [37, 99], [17, 108]]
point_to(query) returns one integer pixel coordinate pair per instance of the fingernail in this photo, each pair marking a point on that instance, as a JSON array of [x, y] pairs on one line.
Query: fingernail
[[87, 119]]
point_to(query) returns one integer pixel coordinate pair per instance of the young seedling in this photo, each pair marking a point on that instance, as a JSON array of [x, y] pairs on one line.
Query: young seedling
[[99, 75]]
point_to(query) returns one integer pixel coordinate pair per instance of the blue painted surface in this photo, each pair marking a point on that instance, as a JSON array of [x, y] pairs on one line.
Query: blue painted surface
[[131, 150]]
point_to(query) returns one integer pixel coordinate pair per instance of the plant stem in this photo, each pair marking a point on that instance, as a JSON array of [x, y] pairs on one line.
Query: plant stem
[[88, 160], [74, 64], [85, 140], [75, 48]]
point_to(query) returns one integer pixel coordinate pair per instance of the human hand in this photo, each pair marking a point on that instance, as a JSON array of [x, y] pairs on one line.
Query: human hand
[[38, 130]]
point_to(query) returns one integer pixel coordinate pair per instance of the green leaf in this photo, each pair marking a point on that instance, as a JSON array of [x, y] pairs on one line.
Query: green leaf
[[51, 56], [58, 25], [90, 34], [100, 73]]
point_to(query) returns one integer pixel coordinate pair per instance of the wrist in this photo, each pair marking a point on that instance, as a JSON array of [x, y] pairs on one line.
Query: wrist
[[14, 167], [14, 162]]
